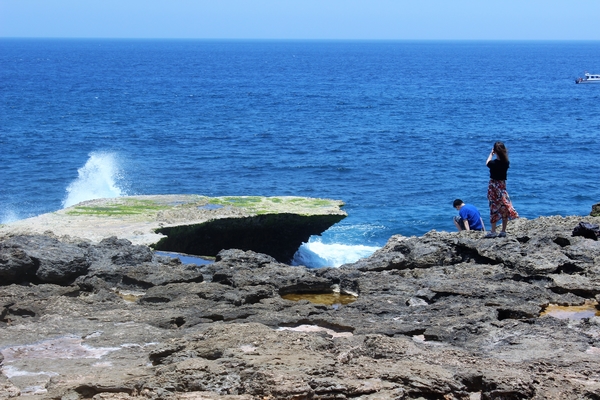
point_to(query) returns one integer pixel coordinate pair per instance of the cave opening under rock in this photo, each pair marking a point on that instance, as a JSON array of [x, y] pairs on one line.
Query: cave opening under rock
[[278, 235]]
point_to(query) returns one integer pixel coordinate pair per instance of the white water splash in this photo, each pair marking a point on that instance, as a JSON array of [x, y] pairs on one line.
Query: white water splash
[[97, 179], [316, 254], [7, 216]]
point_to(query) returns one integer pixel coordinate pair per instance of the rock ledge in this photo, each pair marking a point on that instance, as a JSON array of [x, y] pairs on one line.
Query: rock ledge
[[193, 224]]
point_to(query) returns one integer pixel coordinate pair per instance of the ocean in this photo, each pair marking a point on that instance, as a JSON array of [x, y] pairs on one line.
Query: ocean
[[395, 129]]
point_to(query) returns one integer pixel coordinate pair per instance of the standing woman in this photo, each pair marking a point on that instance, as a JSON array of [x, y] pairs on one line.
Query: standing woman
[[500, 206]]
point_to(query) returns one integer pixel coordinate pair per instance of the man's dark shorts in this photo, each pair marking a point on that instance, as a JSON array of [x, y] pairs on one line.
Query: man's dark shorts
[[461, 223]]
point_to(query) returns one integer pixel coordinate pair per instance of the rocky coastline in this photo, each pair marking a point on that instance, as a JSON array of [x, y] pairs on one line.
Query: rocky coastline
[[444, 316]]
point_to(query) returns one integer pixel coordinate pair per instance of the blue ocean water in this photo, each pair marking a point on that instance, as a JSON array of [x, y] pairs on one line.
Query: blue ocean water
[[396, 130]]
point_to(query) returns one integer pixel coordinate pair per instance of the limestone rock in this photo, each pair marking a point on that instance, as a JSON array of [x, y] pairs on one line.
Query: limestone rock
[[595, 210], [446, 315], [43, 259], [191, 224]]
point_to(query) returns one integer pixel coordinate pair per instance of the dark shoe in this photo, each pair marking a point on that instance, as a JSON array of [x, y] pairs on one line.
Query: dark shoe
[[502, 234], [491, 235]]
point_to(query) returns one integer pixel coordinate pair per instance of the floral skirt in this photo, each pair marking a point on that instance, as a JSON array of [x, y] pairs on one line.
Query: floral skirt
[[500, 205]]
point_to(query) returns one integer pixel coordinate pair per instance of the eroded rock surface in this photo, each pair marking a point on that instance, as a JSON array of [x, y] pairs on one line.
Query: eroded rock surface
[[443, 316]]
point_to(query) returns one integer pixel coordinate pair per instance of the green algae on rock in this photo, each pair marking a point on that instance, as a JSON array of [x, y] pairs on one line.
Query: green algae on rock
[[126, 206]]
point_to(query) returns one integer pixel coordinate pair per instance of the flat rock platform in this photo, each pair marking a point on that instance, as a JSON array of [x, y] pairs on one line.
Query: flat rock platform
[[192, 224]]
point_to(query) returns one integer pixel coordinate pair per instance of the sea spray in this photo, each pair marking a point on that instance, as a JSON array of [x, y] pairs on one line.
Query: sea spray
[[316, 254], [8, 216], [97, 179]]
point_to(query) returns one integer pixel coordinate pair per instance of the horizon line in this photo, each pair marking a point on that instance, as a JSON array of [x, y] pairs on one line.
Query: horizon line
[[292, 39]]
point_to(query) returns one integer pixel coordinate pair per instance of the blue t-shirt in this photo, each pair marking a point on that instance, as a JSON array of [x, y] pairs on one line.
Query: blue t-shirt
[[470, 213]]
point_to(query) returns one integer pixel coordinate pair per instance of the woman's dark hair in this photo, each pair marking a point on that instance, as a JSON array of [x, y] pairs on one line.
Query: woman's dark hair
[[501, 151]]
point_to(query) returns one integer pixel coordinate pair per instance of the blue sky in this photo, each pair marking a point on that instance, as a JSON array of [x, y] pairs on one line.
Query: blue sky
[[304, 19]]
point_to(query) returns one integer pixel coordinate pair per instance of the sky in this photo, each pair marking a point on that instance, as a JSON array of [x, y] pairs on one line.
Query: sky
[[303, 19]]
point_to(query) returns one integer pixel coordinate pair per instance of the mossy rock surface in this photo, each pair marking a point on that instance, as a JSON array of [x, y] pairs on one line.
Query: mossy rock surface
[[126, 206]]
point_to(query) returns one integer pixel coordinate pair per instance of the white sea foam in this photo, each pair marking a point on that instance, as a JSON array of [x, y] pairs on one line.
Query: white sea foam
[[97, 179], [11, 372], [316, 254]]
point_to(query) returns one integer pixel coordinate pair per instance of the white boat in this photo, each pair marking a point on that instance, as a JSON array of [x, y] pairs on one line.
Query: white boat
[[589, 78]]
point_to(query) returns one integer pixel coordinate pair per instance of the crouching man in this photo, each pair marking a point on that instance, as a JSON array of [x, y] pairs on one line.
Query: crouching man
[[468, 218]]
